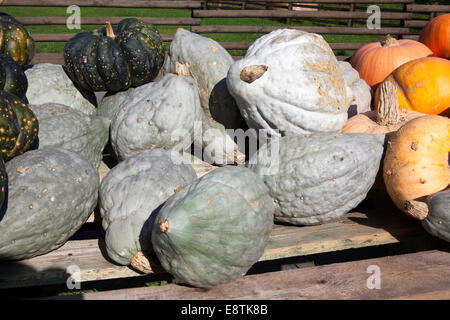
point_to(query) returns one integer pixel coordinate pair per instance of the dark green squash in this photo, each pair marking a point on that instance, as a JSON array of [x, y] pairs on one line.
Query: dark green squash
[[437, 221], [15, 41], [51, 193], [115, 59], [18, 126], [213, 230], [12, 77], [3, 184]]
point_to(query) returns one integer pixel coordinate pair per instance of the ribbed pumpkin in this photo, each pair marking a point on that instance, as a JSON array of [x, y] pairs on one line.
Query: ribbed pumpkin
[[376, 60], [18, 126], [416, 163], [115, 59], [15, 41], [12, 77], [423, 85], [436, 36]]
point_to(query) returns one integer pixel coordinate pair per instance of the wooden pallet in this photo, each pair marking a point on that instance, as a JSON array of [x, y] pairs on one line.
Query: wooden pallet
[[423, 275], [378, 222]]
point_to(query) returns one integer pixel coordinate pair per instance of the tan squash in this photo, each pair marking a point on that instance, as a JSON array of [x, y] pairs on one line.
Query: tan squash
[[416, 163], [386, 119]]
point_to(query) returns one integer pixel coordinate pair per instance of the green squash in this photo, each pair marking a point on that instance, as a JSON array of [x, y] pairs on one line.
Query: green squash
[[317, 178], [12, 77], [18, 126], [51, 193], [437, 221], [3, 184], [213, 230], [61, 126], [130, 196], [114, 60], [15, 41]]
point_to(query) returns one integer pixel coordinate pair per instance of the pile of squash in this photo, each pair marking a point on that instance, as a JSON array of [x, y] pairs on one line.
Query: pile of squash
[[321, 134]]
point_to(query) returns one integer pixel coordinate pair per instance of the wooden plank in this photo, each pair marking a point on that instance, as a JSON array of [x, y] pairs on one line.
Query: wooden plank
[[314, 29], [56, 58], [336, 46], [102, 20], [422, 274], [106, 3], [411, 36], [63, 37], [415, 23], [427, 8], [295, 14], [328, 1], [379, 225]]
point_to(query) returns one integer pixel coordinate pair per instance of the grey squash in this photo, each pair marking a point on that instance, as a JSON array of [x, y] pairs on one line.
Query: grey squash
[[61, 126], [51, 193], [358, 91], [437, 221], [130, 196], [49, 82], [111, 102], [289, 82], [317, 178], [208, 64], [213, 230], [163, 114]]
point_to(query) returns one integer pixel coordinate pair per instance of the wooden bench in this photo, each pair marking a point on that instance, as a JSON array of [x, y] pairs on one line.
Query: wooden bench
[[354, 21]]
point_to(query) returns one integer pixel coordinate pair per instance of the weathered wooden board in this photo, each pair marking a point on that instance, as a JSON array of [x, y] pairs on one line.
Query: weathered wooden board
[[382, 224], [423, 275]]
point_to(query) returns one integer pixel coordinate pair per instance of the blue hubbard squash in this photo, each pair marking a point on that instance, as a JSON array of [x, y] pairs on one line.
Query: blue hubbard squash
[[51, 193], [213, 230]]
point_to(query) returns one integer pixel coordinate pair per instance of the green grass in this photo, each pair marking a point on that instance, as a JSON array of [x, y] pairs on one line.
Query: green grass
[[55, 47]]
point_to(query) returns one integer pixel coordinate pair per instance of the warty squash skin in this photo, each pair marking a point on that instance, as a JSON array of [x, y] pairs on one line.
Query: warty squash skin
[[358, 92], [51, 193], [213, 230], [18, 126], [114, 59], [317, 178], [61, 126], [15, 40], [437, 221], [289, 82], [416, 163], [12, 77], [130, 196], [208, 64], [111, 102], [160, 114], [423, 85], [56, 88], [3, 184]]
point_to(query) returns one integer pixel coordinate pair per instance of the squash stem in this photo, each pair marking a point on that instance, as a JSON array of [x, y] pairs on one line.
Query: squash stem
[[109, 30], [182, 69], [388, 112], [390, 41]]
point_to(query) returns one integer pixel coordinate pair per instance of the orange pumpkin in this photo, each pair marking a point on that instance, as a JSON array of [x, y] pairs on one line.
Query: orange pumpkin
[[416, 163], [436, 35], [376, 60], [423, 85]]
